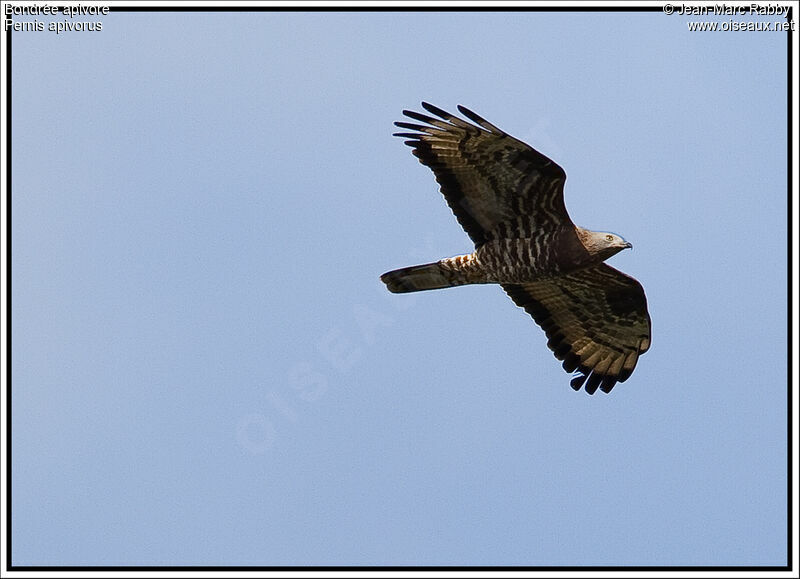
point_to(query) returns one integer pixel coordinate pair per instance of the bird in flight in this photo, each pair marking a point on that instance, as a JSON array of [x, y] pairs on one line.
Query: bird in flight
[[509, 198]]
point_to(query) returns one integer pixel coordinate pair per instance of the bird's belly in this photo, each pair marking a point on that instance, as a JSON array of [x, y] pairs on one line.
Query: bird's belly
[[518, 260]]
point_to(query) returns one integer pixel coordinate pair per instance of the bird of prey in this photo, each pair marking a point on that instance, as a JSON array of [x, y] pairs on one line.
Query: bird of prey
[[509, 198]]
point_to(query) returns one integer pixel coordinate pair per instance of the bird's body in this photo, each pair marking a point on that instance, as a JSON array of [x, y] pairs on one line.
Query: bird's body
[[509, 199], [507, 260], [536, 254]]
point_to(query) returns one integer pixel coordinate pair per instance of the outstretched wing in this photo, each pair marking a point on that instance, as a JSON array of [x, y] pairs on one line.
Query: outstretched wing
[[487, 176], [595, 319]]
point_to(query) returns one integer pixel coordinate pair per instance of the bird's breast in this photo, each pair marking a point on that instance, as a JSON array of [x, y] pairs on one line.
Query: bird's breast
[[528, 259]]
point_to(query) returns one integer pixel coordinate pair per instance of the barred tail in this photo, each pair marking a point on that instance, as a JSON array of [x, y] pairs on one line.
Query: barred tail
[[421, 277]]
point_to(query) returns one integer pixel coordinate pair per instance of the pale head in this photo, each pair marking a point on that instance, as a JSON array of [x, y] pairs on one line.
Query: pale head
[[602, 244]]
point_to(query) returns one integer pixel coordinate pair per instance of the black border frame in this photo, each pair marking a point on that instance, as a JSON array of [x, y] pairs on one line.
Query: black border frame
[[10, 567]]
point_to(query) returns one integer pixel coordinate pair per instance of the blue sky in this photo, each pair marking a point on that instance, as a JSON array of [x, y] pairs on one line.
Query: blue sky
[[207, 369]]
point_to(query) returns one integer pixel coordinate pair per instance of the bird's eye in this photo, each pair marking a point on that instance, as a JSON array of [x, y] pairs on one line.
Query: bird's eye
[[609, 237]]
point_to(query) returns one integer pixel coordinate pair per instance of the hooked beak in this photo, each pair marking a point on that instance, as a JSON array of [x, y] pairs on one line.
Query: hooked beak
[[628, 245]]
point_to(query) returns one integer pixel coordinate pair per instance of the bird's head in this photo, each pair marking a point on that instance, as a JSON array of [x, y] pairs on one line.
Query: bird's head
[[604, 244]]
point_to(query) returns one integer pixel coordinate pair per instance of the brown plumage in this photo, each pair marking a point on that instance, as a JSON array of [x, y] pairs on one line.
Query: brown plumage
[[509, 198]]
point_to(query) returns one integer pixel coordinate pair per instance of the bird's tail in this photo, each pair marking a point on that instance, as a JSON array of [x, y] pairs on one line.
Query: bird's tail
[[423, 277]]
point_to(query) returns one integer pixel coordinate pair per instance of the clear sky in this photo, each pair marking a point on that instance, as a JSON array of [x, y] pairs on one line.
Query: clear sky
[[207, 369]]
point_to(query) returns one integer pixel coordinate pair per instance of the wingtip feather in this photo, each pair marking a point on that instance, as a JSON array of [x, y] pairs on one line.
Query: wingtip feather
[[476, 118], [437, 111]]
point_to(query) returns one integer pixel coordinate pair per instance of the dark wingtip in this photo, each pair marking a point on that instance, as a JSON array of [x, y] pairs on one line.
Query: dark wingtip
[[475, 117], [608, 383], [593, 383], [436, 111], [419, 117], [465, 111], [412, 126], [578, 381], [624, 375], [479, 120]]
